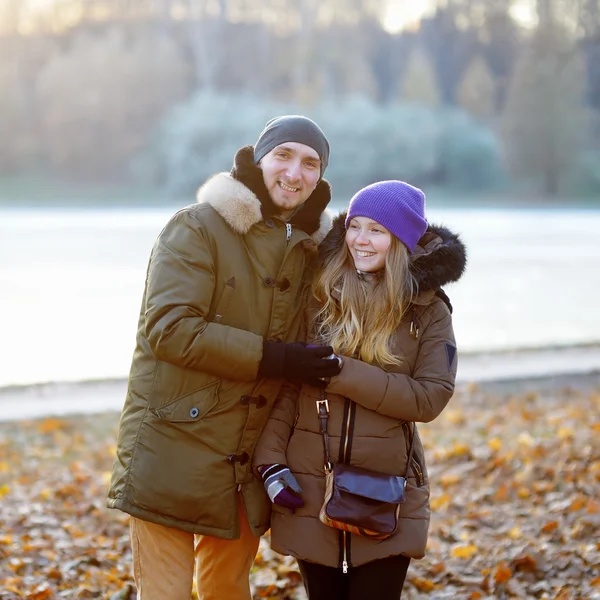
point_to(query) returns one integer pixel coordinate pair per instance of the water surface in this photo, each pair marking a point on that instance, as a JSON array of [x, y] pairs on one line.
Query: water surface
[[71, 283]]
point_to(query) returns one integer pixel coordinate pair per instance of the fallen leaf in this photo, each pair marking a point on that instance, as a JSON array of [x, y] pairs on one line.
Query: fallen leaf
[[423, 585], [503, 573], [495, 444], [464, 551], [549, 527]]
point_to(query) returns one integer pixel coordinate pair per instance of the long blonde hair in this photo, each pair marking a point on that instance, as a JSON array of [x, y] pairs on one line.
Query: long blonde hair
[[358, 316]]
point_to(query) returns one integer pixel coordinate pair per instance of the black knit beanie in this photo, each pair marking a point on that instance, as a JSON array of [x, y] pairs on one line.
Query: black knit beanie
[[292, 128]]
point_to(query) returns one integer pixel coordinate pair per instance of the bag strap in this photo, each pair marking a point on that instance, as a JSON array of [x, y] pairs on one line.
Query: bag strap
[[323, 412]]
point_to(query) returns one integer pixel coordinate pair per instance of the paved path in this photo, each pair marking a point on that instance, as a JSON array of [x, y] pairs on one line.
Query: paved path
[[59, 399]]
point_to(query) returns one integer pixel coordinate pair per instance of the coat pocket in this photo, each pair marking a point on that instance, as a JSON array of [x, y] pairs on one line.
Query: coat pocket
[[224, 300], [191, 407]]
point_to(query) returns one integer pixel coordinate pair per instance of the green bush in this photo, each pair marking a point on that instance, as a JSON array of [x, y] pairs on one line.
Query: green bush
[[199, 138], [369, 142], [584, 179], [469, 154]]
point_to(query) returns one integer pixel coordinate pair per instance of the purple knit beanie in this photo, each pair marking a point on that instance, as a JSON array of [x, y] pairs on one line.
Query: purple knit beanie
[[396, 205]]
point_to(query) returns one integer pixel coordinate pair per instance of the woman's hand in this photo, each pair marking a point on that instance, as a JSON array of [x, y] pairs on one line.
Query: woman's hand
[[281, 486]]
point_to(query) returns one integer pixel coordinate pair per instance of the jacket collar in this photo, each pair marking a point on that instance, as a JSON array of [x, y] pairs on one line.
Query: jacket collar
[[440, 257], [242, 199]]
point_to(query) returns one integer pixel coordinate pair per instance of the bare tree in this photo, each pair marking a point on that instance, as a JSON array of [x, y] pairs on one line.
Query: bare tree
[[204, 37], [477, 90], [545, 12], [10, 16], [102, 99], [545, 118], [419, 84]]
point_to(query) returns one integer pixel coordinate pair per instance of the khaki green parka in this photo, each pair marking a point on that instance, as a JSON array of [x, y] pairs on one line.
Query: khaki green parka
[[221, 279]]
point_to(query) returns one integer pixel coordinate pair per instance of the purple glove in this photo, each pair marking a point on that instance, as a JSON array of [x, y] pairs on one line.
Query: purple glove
[[281, 486]]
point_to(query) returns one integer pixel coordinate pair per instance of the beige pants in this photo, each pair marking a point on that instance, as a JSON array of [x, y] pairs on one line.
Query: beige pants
[[163, 562]]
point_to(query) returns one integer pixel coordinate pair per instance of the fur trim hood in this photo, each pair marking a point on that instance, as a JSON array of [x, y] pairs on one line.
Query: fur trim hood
[[440, 256], [242, 199]]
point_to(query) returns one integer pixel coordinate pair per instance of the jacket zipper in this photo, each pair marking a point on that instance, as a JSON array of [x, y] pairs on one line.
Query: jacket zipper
[[414, 463], [418, 472], [345, 456], [347, 434]]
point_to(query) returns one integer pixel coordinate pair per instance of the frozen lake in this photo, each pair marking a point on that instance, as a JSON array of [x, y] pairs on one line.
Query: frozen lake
[[71, 284]]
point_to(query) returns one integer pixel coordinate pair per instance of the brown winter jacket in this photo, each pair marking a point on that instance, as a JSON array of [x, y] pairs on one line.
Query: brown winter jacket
[[377, 407], [223, 276]]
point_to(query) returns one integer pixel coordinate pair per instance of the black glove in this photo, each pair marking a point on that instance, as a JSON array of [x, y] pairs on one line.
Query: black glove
[[298, 362]]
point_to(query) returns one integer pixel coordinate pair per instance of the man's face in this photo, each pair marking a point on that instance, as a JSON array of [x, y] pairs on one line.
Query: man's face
[[291, 172]]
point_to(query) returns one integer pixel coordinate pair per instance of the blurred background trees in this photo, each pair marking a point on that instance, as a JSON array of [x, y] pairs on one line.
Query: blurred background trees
[[464, 95]]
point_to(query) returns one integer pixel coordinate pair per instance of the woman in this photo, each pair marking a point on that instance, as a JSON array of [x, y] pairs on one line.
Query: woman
[[378, 302]]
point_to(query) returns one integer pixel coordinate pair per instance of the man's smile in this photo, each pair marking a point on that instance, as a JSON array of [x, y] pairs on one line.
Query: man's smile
[[287, 188]]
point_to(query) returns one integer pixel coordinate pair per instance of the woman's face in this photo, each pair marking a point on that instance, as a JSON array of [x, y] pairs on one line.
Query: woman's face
[[369, 243]]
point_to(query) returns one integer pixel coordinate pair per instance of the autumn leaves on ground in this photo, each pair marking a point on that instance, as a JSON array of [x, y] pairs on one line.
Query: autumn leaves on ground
[[515, 501]]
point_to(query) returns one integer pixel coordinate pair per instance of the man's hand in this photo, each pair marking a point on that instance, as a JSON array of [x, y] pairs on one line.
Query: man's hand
[[313, 365]]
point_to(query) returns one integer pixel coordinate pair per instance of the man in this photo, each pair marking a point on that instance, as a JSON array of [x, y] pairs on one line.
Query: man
[[220, 314]]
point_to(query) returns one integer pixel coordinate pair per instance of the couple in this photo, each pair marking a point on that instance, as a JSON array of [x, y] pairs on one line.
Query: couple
[[255, 305]]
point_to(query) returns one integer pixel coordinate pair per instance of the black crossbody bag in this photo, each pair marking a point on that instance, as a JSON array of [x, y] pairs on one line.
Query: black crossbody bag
[[360, 501]]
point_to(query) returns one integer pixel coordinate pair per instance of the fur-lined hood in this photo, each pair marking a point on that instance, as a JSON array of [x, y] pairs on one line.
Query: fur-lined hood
[[439, 258], [242, 199]]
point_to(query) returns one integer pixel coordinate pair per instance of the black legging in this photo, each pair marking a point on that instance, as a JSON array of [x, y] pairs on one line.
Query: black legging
[[378, 580]]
